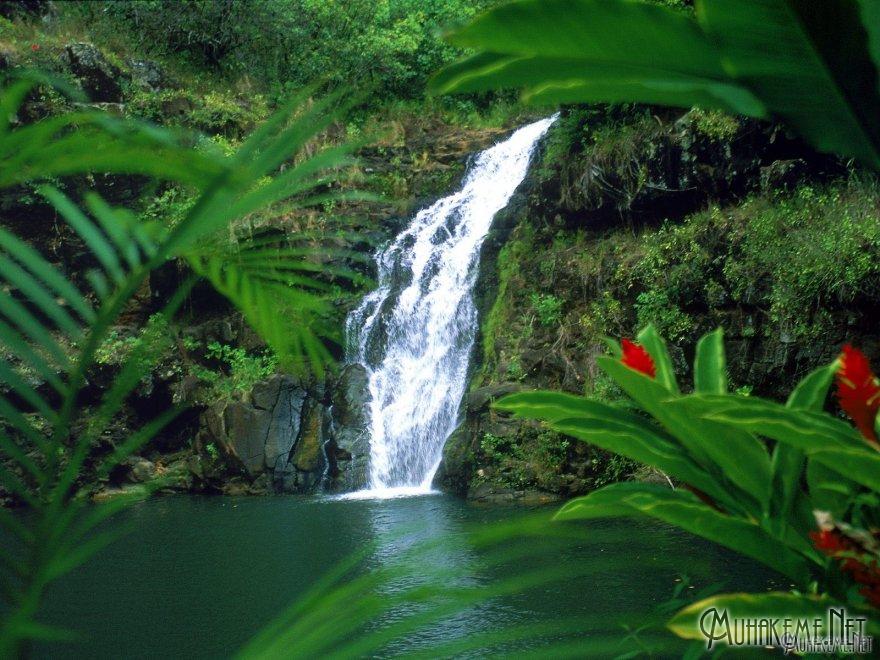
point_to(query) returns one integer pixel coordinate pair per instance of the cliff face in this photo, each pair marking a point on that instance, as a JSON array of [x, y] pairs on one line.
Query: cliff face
[[689, 221]]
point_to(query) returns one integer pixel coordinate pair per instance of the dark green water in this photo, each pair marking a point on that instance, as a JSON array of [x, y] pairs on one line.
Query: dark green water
[[197, 577]]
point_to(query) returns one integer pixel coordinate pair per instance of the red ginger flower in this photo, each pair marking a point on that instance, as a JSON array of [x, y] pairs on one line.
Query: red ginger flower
[[853, 559], [857, 391], [636, 357], [830, 541], [35, 47]]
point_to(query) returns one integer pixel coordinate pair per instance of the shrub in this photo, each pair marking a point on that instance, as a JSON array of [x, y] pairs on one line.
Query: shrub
[[796, 255], [239, 371], [391, 44], [548, 308]]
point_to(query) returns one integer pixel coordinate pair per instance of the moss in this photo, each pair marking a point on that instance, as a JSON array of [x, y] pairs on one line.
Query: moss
[[502, 326], [309, 450], [715, 124]]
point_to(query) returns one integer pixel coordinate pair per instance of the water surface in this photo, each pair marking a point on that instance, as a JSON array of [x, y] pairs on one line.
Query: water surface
[[196, 577]]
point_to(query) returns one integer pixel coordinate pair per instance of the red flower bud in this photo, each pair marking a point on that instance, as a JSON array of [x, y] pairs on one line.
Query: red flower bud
[[636, 357], [829, 541], [861, 568], [857, 391]]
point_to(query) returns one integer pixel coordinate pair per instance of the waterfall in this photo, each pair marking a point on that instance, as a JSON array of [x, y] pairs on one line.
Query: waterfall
[[415, 332]]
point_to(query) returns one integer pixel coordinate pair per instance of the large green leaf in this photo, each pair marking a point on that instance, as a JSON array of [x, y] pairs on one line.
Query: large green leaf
[[730, 455], [803, 428], [861, 465], [739, 455], [812, 390], [829, 490], [684, 510], [656, 347], [582, 50], [821, 437], [788, 462], [811, 63], [686, 623], [614, 430], [710, 364]]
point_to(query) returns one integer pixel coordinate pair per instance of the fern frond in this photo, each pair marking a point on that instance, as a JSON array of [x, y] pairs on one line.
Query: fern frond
[[52, 328]]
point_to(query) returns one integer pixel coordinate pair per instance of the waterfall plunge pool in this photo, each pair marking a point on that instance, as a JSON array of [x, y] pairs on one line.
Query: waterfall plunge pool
[[196, 577]]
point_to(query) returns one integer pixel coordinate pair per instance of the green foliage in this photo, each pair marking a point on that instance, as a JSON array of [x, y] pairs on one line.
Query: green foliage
[[753, 498], [147, 346], [715, 124], [391, 45], [552, 447], [44, 313], [213, 112], [793, 255], [548, 307], [495, 448], [813, 64], [655, 306], [169, 207], [617, 468], [239, 372]]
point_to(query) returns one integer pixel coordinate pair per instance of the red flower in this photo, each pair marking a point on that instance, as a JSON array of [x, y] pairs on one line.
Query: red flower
[[636, 357], [35, 47], [857, 391], [862, 568], [829, 541]]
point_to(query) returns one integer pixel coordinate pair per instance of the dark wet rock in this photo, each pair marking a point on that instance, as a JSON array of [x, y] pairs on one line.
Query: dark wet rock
[[282, 398], [784, 174], [140, 469], [487, 494], [113, 492], [459, 463], [348, 448], [270, 433], [148, 75], [100, 79], [481, 398]]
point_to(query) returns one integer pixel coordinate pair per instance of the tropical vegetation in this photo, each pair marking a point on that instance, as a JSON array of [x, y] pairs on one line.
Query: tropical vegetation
[[53, 326], [809, 496], [304, 86]]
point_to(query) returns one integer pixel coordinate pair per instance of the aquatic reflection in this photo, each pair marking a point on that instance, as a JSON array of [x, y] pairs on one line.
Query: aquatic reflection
[[425, 535]]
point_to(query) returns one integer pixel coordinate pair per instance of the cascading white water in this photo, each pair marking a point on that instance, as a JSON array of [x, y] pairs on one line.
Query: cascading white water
[[415, 332]]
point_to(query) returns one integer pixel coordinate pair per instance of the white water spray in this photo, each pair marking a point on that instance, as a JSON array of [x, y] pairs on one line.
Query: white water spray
[[415, 332]]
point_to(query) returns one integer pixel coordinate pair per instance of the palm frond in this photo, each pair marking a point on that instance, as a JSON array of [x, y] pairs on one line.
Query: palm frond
[[51, 325]]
